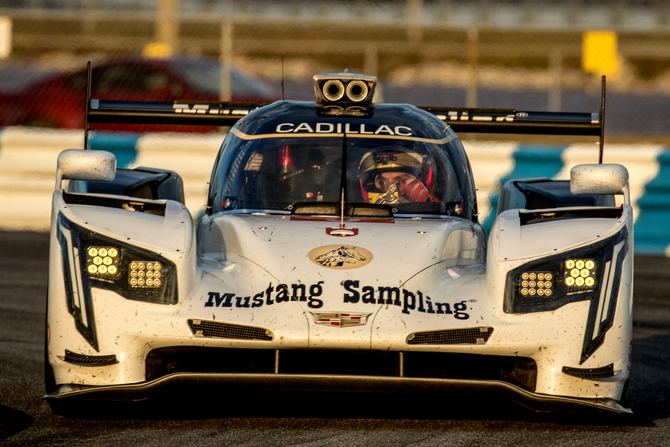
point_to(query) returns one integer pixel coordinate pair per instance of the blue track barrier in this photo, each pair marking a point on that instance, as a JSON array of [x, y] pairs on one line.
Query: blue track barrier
[[28, 166], [652, 227]]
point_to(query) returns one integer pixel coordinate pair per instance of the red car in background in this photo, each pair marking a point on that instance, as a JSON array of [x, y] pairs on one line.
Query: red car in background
[[57, 101]]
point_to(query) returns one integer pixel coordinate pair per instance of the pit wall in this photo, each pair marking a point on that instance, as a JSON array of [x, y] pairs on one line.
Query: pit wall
[[28, 172]]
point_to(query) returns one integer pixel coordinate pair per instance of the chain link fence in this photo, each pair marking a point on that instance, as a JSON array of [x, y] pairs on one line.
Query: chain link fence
[[430, 53]]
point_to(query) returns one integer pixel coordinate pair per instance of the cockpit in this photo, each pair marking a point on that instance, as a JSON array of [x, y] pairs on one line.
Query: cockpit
[[276, 171]]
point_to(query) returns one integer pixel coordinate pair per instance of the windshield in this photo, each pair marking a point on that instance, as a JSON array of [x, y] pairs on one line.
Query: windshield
[[276, 172]]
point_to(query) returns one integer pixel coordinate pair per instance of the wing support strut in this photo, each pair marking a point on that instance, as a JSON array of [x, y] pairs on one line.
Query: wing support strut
[[602, 122], [89, 72]]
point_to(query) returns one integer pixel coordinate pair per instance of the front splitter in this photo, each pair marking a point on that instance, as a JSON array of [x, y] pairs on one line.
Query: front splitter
[[340, 383]]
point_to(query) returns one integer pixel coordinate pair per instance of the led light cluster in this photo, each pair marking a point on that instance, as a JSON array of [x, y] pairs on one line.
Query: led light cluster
[[579, 273], [536, 283], [145, 274], [103, 261]]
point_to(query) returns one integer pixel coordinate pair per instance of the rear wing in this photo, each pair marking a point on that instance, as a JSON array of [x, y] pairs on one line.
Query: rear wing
[[459, 119], [179, 112]]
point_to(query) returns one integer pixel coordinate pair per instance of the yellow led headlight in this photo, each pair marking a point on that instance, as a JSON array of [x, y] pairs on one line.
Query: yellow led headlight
[[535, 283], [102, 262], [580, 273], [548, 283], [537, 287], [145, 274]]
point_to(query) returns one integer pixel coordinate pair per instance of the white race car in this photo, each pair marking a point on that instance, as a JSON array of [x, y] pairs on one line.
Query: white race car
[[340, 250]]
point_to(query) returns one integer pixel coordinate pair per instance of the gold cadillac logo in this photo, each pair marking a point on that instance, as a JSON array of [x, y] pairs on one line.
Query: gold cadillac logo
[[340, 256]]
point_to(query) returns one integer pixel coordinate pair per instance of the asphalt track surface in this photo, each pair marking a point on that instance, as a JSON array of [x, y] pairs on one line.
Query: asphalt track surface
[[313, 420]]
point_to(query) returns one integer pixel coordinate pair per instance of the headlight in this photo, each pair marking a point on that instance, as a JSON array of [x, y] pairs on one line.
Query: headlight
[[553, 282], [91, 260], [132, 272], [107, 264]]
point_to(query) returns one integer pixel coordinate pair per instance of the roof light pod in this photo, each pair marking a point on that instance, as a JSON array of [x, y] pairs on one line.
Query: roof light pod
[[344, 89]]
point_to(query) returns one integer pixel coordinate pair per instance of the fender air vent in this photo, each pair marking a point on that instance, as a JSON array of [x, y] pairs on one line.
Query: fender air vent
[[550, 215], [216, 329], [141, 206], [467, 336], [89, 360], [591, 373]]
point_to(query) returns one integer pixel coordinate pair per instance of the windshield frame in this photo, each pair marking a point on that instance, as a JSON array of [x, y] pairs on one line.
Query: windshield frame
[[228, 156]]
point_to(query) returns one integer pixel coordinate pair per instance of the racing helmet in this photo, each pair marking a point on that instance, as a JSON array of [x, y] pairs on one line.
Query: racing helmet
[[393, 159]]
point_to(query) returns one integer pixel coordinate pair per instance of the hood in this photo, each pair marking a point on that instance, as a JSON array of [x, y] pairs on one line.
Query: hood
[[271, 271]]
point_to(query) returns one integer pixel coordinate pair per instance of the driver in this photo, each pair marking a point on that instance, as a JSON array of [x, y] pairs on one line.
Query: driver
[[392, 175]]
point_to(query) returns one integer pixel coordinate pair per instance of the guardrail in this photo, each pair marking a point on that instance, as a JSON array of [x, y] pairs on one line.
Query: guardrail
[[28, 165]]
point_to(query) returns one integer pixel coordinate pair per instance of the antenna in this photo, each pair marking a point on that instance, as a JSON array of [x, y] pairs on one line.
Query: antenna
[[89, 70], [282, 77], [602, 122], [343, 179], [342, 211]]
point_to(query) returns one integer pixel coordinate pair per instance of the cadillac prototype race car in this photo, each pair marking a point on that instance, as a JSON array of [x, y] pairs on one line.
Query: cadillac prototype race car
[[340, 250]]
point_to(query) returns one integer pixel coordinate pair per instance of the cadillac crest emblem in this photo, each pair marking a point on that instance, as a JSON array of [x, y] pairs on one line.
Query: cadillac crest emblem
[[341, 319]]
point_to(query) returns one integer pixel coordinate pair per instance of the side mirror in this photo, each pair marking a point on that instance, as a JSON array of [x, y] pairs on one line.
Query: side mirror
[[77, 164], [598, 179]]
